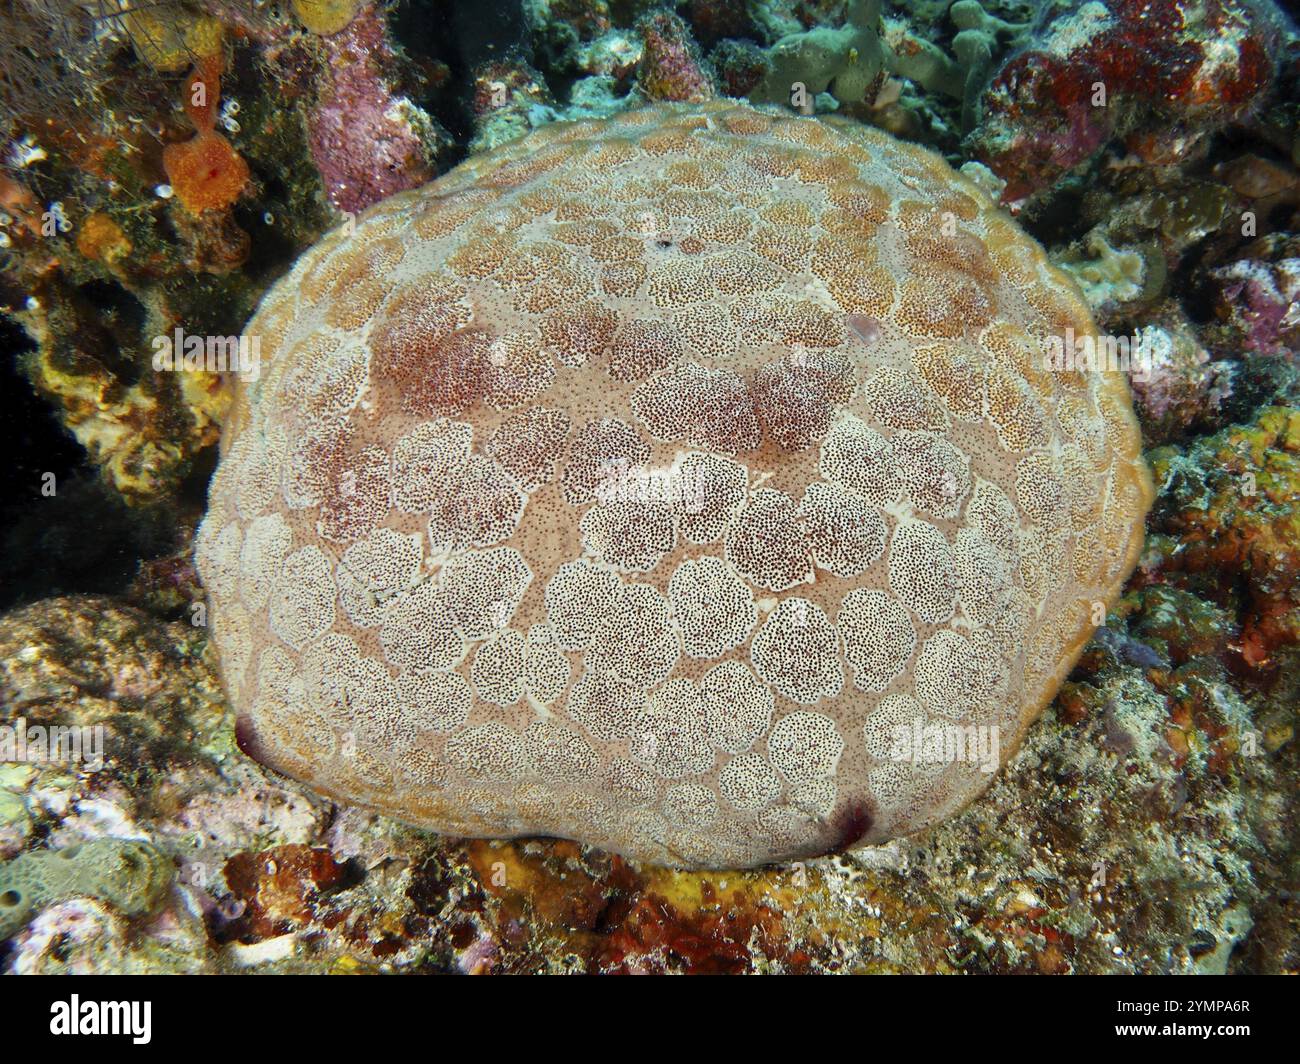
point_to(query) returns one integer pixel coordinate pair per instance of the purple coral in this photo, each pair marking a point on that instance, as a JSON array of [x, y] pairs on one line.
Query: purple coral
[[367, 140], [1263, 300]]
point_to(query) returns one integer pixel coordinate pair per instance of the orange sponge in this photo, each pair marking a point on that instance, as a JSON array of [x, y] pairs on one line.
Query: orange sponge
[[205, 172]]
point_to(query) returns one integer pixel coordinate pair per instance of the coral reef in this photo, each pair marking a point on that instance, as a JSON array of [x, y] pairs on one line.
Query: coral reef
[[1260, 296], [349, 91], [1161, 74], [102, 245], [1230, 505], [671, 67], [509, 100], [1183, 388], [979, 37], [847, 62], [1108, 277], [1148, 822], [740, 67]]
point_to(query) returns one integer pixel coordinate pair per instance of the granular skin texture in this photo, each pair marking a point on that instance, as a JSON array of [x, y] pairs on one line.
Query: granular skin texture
[[646, 482]]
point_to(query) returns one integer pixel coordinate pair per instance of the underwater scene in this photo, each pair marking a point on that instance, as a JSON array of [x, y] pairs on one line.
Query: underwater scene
[[649, 486]]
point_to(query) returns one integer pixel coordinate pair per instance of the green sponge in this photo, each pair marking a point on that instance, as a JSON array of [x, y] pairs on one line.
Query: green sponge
[[130, 875]]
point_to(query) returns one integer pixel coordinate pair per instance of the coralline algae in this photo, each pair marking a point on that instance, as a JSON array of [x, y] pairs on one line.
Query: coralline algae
[[650, 482]]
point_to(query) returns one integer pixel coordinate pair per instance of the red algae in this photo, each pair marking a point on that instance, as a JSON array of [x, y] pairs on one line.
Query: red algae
[[1129, 70]]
